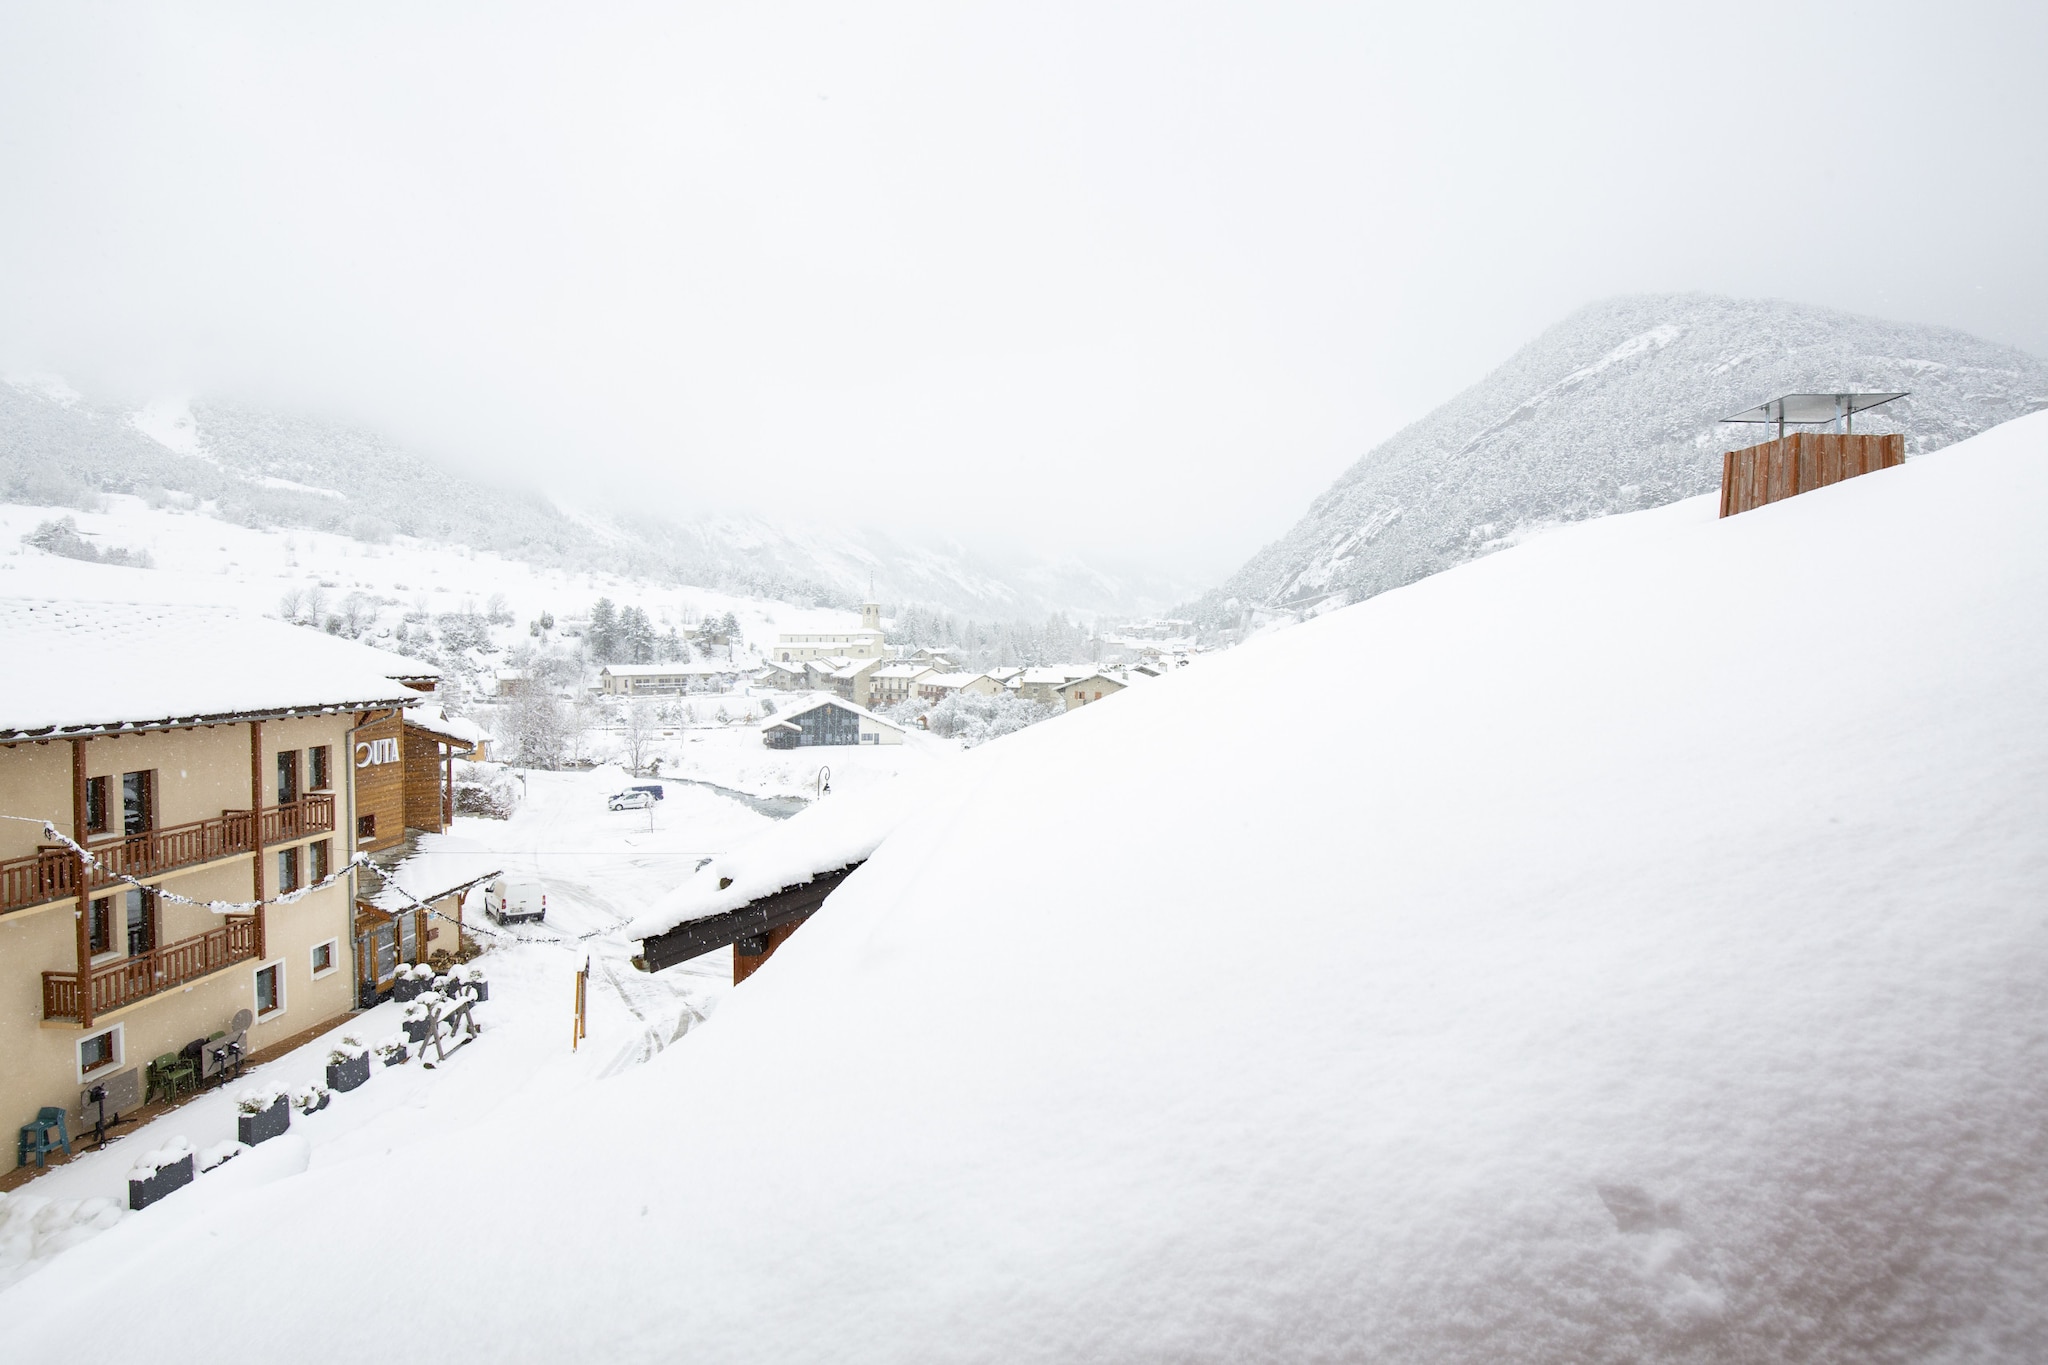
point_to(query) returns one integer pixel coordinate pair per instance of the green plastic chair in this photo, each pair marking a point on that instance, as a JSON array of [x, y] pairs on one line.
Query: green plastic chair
[[171, 1073], [36, 1136]]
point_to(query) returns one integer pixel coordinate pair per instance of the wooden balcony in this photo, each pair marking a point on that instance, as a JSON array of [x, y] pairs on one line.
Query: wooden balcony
[[162, 969], [48, 874]]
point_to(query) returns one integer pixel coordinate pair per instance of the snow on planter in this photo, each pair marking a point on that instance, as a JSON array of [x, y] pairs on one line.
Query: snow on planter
[[1638, 958], [348, 1064], [262, 1113], [157, 1173]]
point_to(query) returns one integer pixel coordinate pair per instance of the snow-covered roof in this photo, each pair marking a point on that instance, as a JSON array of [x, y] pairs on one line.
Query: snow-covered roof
[[438, 723], [841, 829], [1095, 677], [950, 681], [439, 864], [789, 713], [1057, 676], [76, 666], [902, 671]]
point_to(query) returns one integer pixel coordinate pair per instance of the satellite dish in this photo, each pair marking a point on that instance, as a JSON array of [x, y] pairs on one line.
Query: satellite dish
[[242, 1021]]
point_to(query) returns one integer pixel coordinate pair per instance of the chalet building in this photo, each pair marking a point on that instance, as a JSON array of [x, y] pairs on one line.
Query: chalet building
[[785, 677], [665, 680], [1043, 685], [204, 763], [938, 660], [1094, 687], [826, 721], [865, 643], [894, 683], [936, 687]]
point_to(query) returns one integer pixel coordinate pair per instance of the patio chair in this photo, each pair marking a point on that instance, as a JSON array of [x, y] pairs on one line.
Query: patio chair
[[36, 1136], [171, 1073]]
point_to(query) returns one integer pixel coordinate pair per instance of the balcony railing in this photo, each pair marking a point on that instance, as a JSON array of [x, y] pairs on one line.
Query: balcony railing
[[48, 875], [160, 969], [312, 814]]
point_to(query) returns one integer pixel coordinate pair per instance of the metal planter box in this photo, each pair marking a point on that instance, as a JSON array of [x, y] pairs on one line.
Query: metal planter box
[[270, 1123], [482, 989], [143, 1193], [346, 1076], [418, 1030], [406, 987]]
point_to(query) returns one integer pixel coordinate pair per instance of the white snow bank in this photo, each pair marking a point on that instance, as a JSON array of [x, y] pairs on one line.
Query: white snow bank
[[1644, 963], [839, 830]]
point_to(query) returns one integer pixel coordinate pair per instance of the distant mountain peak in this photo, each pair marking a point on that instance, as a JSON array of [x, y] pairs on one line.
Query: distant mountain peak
[[1616, 407]]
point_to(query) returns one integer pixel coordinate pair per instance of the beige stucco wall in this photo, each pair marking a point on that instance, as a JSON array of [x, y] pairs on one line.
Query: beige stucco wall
[[200, 773]]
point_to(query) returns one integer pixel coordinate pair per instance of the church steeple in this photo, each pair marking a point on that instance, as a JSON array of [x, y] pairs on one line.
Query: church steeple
[[870, 616]]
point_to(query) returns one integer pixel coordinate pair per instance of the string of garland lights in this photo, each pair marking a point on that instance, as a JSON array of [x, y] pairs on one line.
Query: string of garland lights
[[290, 897], [218, 907]]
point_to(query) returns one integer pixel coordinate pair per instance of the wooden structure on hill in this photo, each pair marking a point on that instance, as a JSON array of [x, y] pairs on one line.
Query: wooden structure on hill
[[1802, 461], [754, 930]]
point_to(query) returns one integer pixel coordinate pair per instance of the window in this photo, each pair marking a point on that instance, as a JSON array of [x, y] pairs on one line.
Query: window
[[287, 777], [287, 870], [99, 926], [269, 989], [366, 828], [138, 803], [317, 778], [100, 1052], [320, 856], [96, 805], [141, 906], [326, 957]]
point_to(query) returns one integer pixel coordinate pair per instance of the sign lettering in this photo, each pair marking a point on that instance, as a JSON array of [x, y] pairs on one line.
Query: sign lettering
[[371, 753]]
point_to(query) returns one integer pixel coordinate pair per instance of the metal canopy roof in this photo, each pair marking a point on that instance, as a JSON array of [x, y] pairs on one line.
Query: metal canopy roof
[[1807, 408]]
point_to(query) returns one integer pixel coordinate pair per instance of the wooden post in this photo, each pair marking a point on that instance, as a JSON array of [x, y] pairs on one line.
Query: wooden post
[[256, 829], [81, 884], [577, 1034], [448, 789]]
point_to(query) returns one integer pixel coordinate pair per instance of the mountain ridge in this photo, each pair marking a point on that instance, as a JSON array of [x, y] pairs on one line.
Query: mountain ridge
[[1615, 407], [260, 466]]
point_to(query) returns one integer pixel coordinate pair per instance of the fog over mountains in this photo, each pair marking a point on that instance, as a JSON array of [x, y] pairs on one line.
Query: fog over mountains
[[262, 467], [1615, 408]]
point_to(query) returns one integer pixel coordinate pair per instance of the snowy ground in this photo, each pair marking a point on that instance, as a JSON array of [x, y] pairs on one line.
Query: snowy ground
[[599, 868], [1644, 965], [200, 558]]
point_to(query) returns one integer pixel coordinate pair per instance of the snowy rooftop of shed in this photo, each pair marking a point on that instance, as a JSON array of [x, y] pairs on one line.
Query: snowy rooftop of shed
[[75, 666], [837, 831]]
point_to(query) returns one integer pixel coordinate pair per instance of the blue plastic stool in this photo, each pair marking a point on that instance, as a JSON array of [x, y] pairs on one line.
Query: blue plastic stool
[[37, 1134]]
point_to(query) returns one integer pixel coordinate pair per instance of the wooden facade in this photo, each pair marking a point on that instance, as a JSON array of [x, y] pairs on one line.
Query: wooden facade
[[377, 756], [1800, 463]]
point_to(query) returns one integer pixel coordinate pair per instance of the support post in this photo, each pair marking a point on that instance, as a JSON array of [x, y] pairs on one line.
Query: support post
[[256, 830], [448, 788], [81, 884]]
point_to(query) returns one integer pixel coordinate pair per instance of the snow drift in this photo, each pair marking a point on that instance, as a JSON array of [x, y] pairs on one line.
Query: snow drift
[[1642, 961]]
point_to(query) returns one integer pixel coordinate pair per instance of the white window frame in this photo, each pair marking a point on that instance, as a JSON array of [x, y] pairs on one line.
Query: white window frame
[[333, 945], [283, 997], [120, 1053]]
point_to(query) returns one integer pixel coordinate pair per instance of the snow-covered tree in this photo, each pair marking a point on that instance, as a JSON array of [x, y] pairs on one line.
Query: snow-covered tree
[[639, 729]]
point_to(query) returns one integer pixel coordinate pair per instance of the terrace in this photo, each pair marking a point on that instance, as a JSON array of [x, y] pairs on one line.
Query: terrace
[[51, 873], [146, 974]]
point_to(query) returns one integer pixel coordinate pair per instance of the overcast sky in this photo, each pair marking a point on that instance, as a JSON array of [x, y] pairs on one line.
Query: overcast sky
[[1099, 277]]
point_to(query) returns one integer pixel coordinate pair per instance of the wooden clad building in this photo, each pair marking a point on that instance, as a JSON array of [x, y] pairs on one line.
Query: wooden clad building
[[191, 765]]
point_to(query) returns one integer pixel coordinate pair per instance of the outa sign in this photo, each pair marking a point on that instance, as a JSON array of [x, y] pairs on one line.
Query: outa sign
[[370, 753]]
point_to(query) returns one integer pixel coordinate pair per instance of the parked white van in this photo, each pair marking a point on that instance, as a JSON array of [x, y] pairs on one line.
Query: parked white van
[[516, 900]]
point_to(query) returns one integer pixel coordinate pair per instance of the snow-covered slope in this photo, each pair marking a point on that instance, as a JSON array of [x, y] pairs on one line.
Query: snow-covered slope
[[1618, 407], [263, 468], [1642, 962]]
